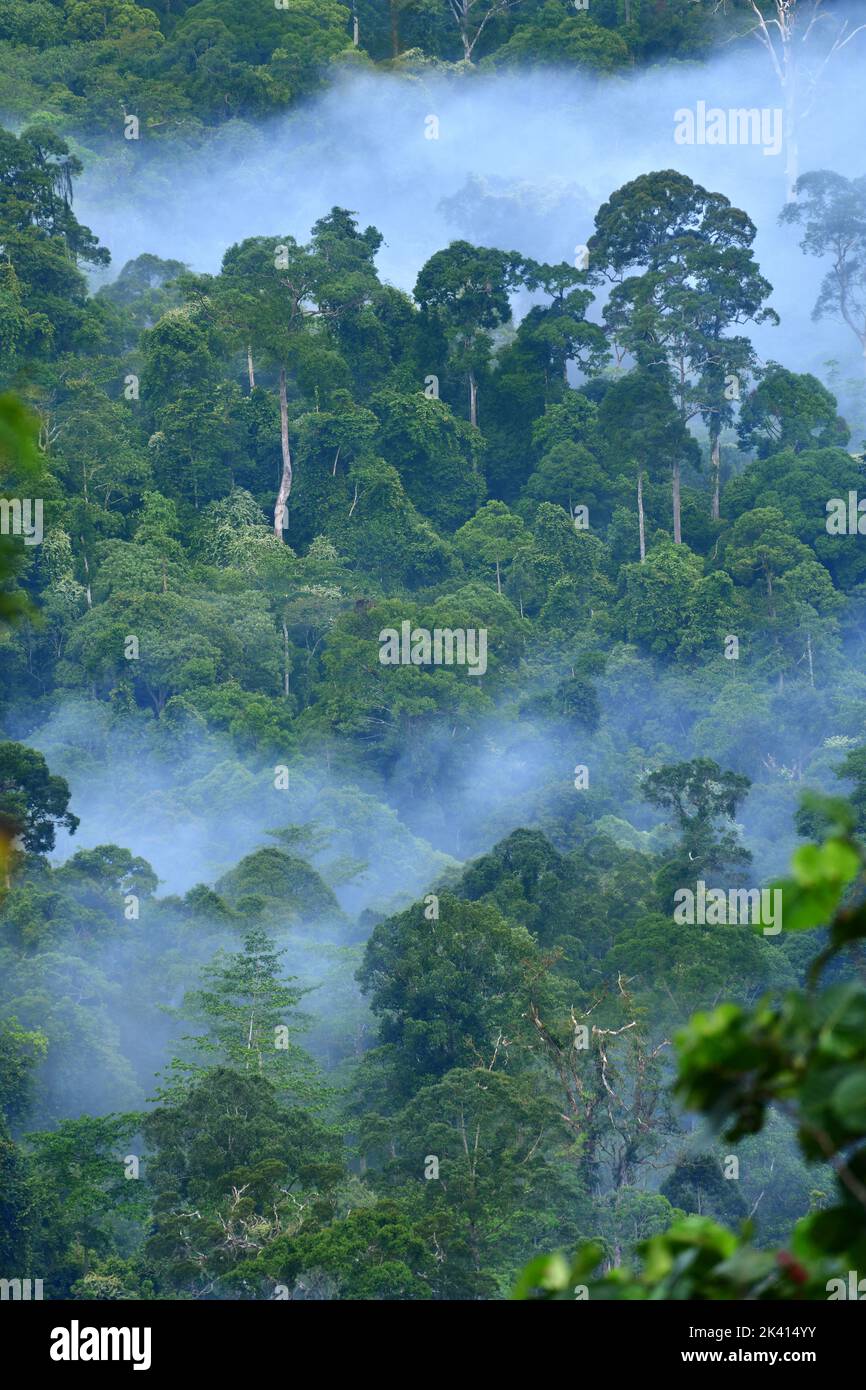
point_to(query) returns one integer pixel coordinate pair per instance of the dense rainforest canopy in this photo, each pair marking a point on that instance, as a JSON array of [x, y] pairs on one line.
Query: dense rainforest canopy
[[381, 669]]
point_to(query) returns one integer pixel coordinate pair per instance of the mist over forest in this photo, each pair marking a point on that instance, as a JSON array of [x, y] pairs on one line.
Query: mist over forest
[[327, 329], [494, 175]]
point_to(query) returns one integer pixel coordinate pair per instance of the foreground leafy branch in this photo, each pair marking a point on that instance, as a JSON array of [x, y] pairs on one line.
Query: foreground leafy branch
[[805, 1056]]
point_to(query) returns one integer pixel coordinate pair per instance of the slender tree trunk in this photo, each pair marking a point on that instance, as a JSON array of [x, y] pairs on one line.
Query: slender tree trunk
[[286, 479], [641, 524], [716, 461], [473, 399], [498, 579], [285, 660], [463, 21], [86, 575], [770, 598], [678, 535], [250, 368]]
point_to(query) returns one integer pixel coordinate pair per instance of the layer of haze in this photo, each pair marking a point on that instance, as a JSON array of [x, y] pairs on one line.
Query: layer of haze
[[522, 161]]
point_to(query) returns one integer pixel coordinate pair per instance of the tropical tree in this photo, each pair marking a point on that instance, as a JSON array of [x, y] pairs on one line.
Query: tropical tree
[[832, 212], [33, 803], [466, 288]]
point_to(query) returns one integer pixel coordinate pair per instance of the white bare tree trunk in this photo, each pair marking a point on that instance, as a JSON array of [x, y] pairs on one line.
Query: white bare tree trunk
[[473, 399], [641, 524], [286, 479], [716, 465]]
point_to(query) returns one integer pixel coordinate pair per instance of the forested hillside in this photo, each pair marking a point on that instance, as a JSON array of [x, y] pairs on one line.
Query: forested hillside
[[402, 683], [193, 65]]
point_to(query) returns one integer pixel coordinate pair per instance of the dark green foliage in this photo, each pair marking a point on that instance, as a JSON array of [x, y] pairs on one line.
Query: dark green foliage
[[32, 801], [429, 1014]]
